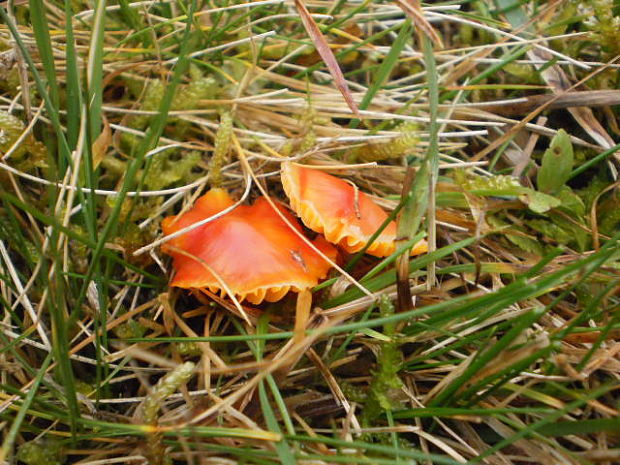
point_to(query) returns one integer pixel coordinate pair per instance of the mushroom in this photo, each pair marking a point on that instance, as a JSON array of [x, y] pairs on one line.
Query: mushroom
[[337, 209], [249, 251]]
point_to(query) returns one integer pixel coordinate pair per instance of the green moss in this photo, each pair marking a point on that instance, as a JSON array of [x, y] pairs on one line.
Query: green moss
[[307, 120], [353, 392], [200, 87], [30, 153], [610, 216], [223, 139], [169, 167], [166, 386], [386, 385], [499, 185], [129, 329], [590, 193], [80, 252], [153, 94], [402, 145], [191, 349], [187, 97], [41, 452], [83, 387], [605, 25], [9, 72], [114, 166]]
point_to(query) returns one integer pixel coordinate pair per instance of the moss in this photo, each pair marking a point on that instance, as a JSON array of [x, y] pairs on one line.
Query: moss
[[84, 388], [200, 87], [156, 451], [609, 222], [30, 153], [589, 193], [223, 139], [79, 251], [41, 452], [402, 145], [499, 185], [191, 349], [9, 72], [187, 97], [386, 385], [135, 237], [153, 94], [605, 25], [307, 120], [169, 167], [353, 392], [129, 329], [114, 166]]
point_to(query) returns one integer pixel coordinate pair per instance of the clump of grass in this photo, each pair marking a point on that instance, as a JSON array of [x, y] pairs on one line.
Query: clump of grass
[[502, 346]]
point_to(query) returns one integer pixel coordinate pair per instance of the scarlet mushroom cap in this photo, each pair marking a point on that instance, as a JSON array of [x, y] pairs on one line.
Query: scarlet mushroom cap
[[251, 249], [335, 208]]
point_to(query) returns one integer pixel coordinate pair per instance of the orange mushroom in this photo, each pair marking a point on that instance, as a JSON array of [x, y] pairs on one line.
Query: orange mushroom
[[251, 249], [337, 209]]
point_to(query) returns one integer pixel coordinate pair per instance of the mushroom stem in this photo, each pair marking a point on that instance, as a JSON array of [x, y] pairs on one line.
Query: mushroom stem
[[302, 314]]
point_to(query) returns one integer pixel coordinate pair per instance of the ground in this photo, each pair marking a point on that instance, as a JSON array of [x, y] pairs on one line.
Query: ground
[[488, 128]]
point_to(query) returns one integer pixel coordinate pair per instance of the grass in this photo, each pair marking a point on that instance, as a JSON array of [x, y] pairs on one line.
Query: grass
[[498, 346]]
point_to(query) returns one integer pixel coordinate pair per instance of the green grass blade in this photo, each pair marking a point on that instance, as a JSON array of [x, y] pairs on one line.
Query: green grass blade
[[42, 37], [388, 278], [14, 430], [282, 447], [546, 422], [485, 357], [50, 106], [147, 143], [73, 87], [386, 68]]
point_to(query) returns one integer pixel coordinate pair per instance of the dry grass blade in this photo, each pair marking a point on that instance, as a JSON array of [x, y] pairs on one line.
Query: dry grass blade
[[102, 143], [589, 98], [327, 55], [560, 83], [495, 144], [413, 9], [405, 231]]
